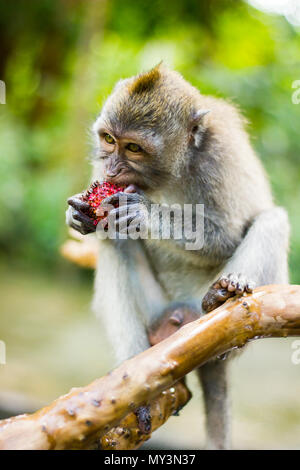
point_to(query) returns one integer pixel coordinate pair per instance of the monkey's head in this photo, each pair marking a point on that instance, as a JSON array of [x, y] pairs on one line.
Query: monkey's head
[[147, 128]]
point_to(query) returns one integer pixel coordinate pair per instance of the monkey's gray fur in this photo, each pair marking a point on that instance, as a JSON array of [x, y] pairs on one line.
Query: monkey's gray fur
[[187, 155]]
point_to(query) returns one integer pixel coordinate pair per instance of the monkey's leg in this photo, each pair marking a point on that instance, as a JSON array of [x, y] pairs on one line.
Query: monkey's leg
[[262, 255], [260, 258], [127, 297], [213, 377], [117, 296]]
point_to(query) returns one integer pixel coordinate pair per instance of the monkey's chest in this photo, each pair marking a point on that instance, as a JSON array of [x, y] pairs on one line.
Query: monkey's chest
[[179, 275]]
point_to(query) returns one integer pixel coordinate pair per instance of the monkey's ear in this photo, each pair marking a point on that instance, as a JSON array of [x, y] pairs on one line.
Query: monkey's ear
[[197, 125]]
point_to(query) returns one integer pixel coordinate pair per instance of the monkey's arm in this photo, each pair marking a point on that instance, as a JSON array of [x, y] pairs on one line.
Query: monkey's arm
[[116, 284], [127, 296], [185, 227], [261, 258], [262, 255]]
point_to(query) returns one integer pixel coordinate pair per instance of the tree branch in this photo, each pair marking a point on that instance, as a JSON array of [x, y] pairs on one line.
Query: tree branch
[[127, 434], [80, 418]]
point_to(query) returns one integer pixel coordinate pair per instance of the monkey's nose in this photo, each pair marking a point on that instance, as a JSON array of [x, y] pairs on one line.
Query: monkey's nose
[[112, 173]]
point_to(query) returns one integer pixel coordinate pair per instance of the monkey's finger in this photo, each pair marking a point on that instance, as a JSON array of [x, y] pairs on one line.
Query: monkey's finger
[[223, 281], [132, 198], [121, 224], [217, 284], [84, 219], [133, 210], [76, 224], [114, 220], [113, 199], [239, 289], [81, 229], [250, 286], [118, 212], [115, 215], [233, 282], [78, 204], [241, 285], [135, 227], [101, 211], [132, 188], [122, 199], [103, 222]]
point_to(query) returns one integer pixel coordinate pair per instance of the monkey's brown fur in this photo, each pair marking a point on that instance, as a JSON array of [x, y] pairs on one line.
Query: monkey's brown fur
[[145, 82]]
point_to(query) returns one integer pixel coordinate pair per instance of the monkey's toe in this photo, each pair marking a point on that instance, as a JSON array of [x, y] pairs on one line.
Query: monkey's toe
[[228, 285], [235, 283]]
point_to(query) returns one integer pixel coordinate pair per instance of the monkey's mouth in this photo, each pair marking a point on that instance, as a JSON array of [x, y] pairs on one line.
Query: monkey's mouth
[[126, 178]]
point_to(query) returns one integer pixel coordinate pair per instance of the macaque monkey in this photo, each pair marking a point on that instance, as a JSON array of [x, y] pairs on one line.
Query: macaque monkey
[[168, 144]]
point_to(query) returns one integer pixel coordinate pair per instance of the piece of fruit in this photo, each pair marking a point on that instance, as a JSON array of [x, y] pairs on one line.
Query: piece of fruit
[[96, 193]]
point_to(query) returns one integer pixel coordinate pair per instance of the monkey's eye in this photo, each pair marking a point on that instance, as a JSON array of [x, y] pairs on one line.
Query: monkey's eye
[[134, 148], [109, 139]]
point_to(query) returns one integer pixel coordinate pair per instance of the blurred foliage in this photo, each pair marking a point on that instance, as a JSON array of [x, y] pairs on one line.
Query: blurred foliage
[[60, 59]]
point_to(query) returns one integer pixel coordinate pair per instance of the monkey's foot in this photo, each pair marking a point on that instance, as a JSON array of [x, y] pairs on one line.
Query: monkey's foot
[[144, 419], [228, 285]]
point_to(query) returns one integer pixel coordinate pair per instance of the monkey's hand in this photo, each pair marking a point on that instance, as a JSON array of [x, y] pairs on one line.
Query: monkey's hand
[[76, 215], [226, 286], [132, 212]]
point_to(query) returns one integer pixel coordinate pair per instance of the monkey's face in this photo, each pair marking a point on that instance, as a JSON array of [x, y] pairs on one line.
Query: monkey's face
[[130, 157], [146, 131]]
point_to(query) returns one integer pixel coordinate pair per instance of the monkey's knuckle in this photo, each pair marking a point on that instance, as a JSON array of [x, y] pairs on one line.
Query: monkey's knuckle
[[76, 227]]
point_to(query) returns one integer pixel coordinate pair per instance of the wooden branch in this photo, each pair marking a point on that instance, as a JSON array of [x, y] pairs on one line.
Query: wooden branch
[[128, 436], [78, 419]]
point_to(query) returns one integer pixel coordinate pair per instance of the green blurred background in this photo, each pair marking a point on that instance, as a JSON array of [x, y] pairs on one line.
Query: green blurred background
[[59, 60]]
